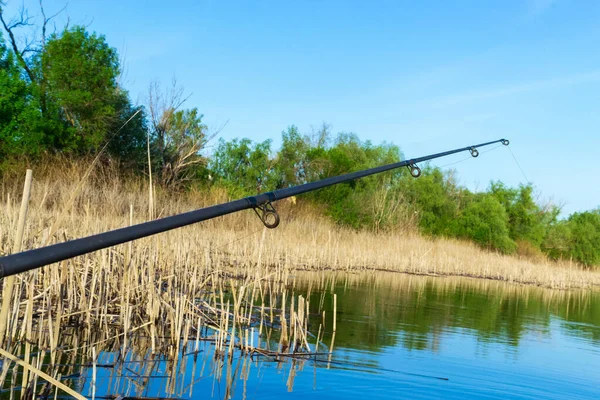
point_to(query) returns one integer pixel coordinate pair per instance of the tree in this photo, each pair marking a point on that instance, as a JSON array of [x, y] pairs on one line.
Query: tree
[[585, 237], [436, 200], [527, 220], [292, 159], [372, 202], [302, 158], [558, 239], [77, 73], [128, 135], [20, 119], [73, 102], [178, 136], [23, 20], [244, 167], [484, 221]]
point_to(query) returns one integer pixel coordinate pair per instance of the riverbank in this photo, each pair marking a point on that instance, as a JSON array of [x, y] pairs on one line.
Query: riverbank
[[65, 204]]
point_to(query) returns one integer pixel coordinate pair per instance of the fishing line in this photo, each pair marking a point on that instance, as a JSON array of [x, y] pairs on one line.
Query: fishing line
[[456, 162], [245, 236], [518, 165], [469, 158], [241, 238], [365, 368]]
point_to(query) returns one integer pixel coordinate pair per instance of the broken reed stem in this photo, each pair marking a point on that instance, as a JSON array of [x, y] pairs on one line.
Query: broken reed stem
[[334, 312], [42, 375], [9, 282], [150, 186], [93, 373]]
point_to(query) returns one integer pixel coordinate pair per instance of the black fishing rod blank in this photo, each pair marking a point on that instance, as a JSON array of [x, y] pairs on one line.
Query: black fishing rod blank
[[262, 204]]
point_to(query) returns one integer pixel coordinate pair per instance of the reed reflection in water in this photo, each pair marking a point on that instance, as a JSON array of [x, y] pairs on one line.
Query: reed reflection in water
[[398, 336]]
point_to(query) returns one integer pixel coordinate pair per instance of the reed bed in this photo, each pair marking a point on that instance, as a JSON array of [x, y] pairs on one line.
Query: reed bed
[[224, 280], [304, 240]]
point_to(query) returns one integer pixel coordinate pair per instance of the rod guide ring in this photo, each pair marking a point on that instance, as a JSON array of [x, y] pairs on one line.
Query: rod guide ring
[[474, 151], [267, 215], [415, 171], [505, 142]]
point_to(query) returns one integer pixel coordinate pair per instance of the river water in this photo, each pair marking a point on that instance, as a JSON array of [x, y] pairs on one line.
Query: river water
[[401, 336]]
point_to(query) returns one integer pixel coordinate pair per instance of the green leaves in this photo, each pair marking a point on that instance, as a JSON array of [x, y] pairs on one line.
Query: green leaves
[[484, 220], [244, 167], [584, 238], [527, 220], [70, 102], [78, 84], [20, 120]]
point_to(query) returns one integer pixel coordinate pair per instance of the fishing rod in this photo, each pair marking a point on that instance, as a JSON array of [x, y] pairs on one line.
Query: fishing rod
[[262, 204]]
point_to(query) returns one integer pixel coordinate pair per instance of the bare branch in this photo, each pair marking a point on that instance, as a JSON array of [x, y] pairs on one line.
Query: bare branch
[[179, 136], [46, 20], [8, 27], [22, 20]]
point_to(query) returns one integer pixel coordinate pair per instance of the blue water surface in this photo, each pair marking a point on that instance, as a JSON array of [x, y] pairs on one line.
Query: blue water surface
[[402, 336]]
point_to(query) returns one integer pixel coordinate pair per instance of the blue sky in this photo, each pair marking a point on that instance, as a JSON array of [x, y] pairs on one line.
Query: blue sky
[[426, 75]]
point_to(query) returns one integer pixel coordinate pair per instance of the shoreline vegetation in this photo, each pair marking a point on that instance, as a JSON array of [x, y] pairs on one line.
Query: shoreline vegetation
[[67, 204]]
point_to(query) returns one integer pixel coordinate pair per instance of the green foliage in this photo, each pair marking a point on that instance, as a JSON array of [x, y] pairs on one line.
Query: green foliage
[[128, 135], [71, 103], [435, 199], [244, 167], [585, 237], [294, 160], [558, 240], [365, 202], [177, 140], [20, 120], [78, 85], [484, 220], [527, 220]]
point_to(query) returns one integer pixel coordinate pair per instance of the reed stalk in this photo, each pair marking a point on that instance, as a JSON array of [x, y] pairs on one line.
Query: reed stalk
[[9, 282]]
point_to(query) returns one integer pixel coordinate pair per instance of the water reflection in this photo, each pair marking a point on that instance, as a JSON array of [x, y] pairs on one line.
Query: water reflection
[[386, 310], [397, 336]]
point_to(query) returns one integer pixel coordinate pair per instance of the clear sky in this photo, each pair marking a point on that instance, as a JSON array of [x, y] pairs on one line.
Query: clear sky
[[426, 75]]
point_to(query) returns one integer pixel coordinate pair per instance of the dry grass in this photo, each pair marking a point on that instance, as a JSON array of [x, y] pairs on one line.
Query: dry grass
[[228, 274], [304, 239]]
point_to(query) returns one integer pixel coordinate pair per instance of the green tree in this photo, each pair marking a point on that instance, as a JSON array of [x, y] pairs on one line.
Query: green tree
[[128, 135], [585, 237], [365, 203], [557, 241], [244, 167], [77, 73], [178, 136], [292, 159], [527, 220], [66, 97], [484, 221], [20, 119], [436, 200]]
